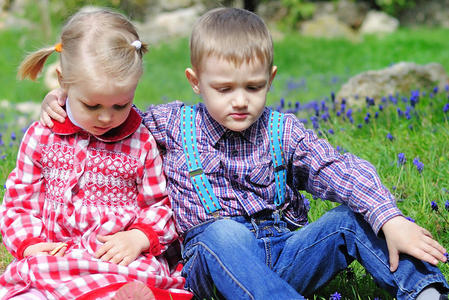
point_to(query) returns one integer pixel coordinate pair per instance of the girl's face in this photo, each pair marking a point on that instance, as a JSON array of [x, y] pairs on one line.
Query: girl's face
[[98, 110]]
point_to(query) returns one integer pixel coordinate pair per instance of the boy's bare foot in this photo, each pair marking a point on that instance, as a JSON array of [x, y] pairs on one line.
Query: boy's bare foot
[[134, 291]]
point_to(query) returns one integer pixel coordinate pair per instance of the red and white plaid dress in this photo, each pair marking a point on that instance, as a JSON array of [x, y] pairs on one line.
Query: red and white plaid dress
[[70, 186]]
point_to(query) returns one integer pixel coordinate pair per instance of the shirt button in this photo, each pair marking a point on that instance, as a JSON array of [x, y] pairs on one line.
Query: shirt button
[[259, 141], [235, 176], [245, 196], [234, 153]]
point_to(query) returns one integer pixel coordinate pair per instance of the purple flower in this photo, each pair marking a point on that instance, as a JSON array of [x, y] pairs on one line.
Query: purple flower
[[335, 296], [446, 205], [446, 108], [13, 136], [434, 206], [401, 159], [435, 90], [390, 137], [359, 126], [419, 165], [331, 131], [447, 256]]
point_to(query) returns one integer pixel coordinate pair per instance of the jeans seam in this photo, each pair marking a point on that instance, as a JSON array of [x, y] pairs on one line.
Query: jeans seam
[[224, 268], [267, 247]]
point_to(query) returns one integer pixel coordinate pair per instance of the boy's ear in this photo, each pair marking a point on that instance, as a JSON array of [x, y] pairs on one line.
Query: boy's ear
[[193, 80], [274, 70]]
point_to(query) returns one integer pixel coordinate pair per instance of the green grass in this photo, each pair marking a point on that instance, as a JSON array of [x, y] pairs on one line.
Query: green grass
[[316, 67]]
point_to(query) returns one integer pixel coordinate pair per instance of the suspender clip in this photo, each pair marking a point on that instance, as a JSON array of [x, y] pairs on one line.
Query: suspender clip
[[196, 172], [279, 168]]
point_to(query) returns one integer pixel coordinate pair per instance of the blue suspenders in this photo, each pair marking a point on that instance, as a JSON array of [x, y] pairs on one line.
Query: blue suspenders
[[275, 127], [199, 179]]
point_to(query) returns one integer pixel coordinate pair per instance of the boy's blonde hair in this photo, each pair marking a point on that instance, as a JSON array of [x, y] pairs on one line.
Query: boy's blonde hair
[[95, 45], [234, 34]]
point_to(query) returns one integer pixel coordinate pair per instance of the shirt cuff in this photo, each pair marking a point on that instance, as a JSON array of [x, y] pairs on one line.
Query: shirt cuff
[[155, 247], [26, 243], [381, 214]]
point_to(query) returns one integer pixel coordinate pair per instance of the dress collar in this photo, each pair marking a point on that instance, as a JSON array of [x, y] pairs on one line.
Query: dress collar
[[116, 134]]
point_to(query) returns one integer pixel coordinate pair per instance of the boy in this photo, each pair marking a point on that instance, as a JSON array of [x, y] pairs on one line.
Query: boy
[[236, 207]]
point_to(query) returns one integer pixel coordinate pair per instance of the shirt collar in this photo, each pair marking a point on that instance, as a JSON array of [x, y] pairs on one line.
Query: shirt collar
[[116, 134], [215, 131]]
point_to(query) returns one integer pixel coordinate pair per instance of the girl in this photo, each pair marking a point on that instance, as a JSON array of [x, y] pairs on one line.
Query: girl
[[86, 214]]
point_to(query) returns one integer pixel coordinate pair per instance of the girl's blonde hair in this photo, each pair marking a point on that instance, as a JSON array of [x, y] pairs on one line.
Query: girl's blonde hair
[[234, 34], [94, 45]]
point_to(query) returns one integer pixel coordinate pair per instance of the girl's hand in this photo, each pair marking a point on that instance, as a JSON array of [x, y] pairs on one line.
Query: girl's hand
[[403, 236], [45, 249], [52, 107], [123, 247]]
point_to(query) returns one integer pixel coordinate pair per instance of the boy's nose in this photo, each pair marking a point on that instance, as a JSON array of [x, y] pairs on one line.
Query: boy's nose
[[240, 100]]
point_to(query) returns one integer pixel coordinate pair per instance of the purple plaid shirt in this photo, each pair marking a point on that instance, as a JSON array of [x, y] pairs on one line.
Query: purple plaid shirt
[[240, 170]]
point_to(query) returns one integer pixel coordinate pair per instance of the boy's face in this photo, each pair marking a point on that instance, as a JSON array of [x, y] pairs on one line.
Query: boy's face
[[234, 96]]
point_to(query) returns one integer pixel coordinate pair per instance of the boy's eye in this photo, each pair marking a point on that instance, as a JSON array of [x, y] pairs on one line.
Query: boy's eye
[[223, 89], [255, 87]]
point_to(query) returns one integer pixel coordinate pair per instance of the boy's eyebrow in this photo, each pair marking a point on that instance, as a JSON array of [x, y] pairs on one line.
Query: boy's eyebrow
[[254, 81]]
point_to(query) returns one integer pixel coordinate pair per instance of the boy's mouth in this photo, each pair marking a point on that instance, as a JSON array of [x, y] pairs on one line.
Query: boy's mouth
[[239, 116]]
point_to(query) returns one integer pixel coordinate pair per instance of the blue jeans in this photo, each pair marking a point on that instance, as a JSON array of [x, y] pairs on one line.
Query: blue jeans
[[250, 258]]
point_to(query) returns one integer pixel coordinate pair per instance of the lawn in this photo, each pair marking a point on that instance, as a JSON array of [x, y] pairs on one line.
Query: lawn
[[309, 70]]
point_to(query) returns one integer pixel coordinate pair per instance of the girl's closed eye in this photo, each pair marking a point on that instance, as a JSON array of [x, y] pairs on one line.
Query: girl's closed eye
[[121, 107], [91, 107]]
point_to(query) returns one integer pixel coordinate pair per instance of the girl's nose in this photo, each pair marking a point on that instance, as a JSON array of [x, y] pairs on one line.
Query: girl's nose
[[105, 116]]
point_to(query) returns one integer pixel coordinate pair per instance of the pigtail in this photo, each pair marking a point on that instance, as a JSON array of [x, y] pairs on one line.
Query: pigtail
[[32, 65]]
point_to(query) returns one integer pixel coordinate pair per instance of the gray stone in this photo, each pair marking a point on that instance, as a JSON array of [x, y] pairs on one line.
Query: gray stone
[[172, 24], [351, 13], [400, 78], [378, 22], [328, 26]]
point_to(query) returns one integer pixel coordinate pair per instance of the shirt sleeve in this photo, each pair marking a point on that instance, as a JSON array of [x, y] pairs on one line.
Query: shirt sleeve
[[155, 218], [322, 171], [158, 118], [21, 211]]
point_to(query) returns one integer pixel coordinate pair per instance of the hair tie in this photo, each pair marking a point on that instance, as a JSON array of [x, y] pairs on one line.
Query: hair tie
[[58, 47], [137, 44]]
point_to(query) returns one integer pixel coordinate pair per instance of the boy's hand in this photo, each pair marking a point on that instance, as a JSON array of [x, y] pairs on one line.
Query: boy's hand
[[123, 247], [46, 249], [52, 107], [403, 236]]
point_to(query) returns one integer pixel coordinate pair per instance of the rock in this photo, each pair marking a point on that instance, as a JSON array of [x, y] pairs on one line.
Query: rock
[[400, 78], [172, 24], [30, 108], [378, 22], [51, 77], [328, 26], [351, 13]]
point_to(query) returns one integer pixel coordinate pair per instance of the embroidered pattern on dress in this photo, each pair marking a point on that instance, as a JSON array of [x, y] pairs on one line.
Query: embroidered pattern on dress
[[108, 179]]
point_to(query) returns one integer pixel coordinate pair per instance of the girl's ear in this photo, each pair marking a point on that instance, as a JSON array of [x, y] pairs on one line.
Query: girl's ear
[[193, 80], [61, 82]]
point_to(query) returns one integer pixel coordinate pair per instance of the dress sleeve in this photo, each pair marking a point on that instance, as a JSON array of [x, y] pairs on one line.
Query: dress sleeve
[[322, 171], [21, 219], [155, 218]]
